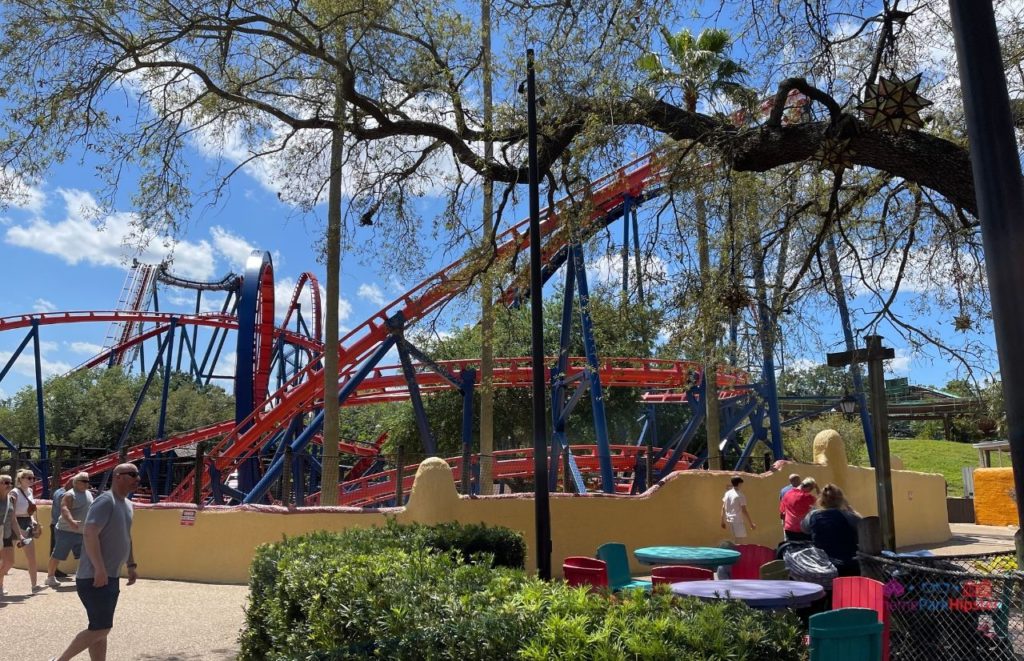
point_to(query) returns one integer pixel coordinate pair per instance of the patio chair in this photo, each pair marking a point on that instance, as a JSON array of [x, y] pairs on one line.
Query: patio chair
[[619, 578], [847, 634], [668, 574], [752, 556], [776, 570], [580, 570], [860, 592]]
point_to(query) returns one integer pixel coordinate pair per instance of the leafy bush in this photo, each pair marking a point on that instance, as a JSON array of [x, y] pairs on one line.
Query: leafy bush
[[385, 594]]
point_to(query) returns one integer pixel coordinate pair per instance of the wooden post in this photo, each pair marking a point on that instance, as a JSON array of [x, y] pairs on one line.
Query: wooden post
[[198, 470], [875, 355], [399, 478]]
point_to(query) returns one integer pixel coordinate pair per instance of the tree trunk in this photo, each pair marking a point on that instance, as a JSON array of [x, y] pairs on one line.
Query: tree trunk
[[707, 324], [486, 483], [329, 469]]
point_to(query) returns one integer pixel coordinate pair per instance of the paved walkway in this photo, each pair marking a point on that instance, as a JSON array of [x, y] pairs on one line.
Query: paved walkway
[[155, 620], [969, 538]]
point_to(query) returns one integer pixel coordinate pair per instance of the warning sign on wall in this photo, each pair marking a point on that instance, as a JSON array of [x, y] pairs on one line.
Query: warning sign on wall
[[188, 517]]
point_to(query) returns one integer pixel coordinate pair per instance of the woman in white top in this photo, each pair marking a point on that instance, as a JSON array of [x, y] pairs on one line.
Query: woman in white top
[[9, 529], [25, 511]]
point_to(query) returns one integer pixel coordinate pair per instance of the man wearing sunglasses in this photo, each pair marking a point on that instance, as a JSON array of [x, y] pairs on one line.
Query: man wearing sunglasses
[[108, 545]]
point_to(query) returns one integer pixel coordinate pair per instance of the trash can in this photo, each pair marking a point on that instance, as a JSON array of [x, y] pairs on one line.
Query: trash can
[[847, 634]]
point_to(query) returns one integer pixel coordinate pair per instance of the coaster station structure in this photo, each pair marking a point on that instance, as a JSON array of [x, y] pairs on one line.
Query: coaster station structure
[[278, 378]]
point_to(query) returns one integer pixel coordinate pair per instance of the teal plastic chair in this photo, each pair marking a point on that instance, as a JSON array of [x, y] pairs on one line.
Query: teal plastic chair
[[847, 634], [619, 578]]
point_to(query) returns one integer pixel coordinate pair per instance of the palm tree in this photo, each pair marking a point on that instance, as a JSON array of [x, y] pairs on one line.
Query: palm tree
[[701, 66]]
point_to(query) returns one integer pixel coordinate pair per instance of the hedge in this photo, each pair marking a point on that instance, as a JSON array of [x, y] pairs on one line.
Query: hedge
[[388, 593]]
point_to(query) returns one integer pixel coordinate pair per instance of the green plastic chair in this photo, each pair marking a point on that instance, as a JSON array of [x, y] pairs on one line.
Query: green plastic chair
[[847, 634], [776, 570], [619, 578]]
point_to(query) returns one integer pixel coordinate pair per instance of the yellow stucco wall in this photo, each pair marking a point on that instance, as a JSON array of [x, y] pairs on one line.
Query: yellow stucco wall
[[994, 504], [682, 510]]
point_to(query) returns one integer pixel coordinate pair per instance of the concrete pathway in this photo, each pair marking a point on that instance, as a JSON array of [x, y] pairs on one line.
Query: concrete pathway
[[155, 620], [969, 538]]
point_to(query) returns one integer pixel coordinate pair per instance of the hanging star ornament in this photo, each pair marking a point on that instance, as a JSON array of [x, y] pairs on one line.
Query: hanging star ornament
[[894, 104], [834, 154]]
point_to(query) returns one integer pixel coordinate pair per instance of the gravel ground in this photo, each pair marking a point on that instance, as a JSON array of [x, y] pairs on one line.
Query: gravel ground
[[154, 620]]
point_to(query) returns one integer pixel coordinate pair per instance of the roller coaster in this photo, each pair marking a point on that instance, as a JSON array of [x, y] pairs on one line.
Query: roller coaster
[[278, 378]]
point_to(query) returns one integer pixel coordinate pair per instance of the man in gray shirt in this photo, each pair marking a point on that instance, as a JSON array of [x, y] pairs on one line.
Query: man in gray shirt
[[108, 544], [73, 506]]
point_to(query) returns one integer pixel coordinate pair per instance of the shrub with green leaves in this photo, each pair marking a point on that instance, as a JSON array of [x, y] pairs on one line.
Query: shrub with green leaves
[[422, 592]]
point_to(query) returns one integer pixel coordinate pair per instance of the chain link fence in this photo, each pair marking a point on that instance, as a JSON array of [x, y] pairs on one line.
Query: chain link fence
[[952, 608]]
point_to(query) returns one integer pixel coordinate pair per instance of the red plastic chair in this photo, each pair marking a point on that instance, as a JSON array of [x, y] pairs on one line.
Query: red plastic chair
[[752, 556], [862, 592], [580, 570], [668, 574]]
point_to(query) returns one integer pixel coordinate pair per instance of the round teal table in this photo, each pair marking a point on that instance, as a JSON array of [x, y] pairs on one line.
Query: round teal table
[[692, 556]]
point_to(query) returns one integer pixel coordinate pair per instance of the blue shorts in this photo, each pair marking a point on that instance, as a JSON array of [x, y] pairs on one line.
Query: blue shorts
[[66, 542], [99, 602]]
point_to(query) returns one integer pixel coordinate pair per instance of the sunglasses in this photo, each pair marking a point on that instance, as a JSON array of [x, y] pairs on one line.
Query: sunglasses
[[6, 482], [130, 473], [30, 478]]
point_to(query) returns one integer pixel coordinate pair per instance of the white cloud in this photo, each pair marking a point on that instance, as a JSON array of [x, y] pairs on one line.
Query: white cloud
[[233, 247], [900, 365], [86, 348], [80, 238], [371, 292], [43, 305], [20, 194], [608, 269], [25, 365]]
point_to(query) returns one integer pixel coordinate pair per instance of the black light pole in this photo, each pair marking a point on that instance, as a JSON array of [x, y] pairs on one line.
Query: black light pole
[[542, 511], [997, 184]]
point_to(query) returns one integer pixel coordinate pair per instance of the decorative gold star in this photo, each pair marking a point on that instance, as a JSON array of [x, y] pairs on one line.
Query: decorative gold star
[[834, 154], [894, 104]]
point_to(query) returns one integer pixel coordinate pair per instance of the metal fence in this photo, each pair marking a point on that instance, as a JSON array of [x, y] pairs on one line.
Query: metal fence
[[952, 608]]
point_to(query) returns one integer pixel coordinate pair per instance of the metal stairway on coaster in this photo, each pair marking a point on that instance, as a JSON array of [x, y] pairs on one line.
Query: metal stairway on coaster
[[136, 294]]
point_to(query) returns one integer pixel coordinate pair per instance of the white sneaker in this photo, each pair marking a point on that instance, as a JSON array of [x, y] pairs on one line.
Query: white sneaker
[[52, 582]]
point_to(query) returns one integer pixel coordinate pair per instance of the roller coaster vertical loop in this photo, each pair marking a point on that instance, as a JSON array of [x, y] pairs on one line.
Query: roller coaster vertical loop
[[255, 334]]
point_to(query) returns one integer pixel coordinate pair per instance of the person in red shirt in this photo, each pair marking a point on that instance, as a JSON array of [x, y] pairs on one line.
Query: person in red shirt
[[794, 507]]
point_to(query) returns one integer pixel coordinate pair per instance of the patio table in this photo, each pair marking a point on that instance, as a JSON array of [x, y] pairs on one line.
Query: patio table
[[755, 593], [692, 556]]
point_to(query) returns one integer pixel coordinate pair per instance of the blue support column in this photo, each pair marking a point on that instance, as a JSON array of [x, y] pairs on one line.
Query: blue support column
[[44, 461], [596, 392], [258, 491], [559, 441], [161, 424], [627, 204], [419, 413]]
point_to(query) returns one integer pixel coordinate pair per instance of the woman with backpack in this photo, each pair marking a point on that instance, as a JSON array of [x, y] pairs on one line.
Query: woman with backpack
[[25, 512], [833, 529]]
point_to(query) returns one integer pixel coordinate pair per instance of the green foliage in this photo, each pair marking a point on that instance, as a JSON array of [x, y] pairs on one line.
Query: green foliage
[[798, 440], [943, 457], [816, 380], [90, 408], [373, 593]]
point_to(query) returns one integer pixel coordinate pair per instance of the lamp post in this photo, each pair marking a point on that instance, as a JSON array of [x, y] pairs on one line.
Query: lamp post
[[542, 512], [848, 404]]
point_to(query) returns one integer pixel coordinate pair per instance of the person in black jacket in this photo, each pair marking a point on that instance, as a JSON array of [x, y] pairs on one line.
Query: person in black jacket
[[833, 529]]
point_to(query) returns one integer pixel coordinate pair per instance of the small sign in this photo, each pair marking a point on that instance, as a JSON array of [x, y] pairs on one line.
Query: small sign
[[188, 517]]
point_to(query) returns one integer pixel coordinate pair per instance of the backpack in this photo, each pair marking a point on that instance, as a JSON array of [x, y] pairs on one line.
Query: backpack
[[810, 564]]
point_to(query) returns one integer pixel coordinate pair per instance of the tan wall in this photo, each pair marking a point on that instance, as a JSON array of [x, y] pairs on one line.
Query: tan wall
[[994, 504], [683, 510]]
